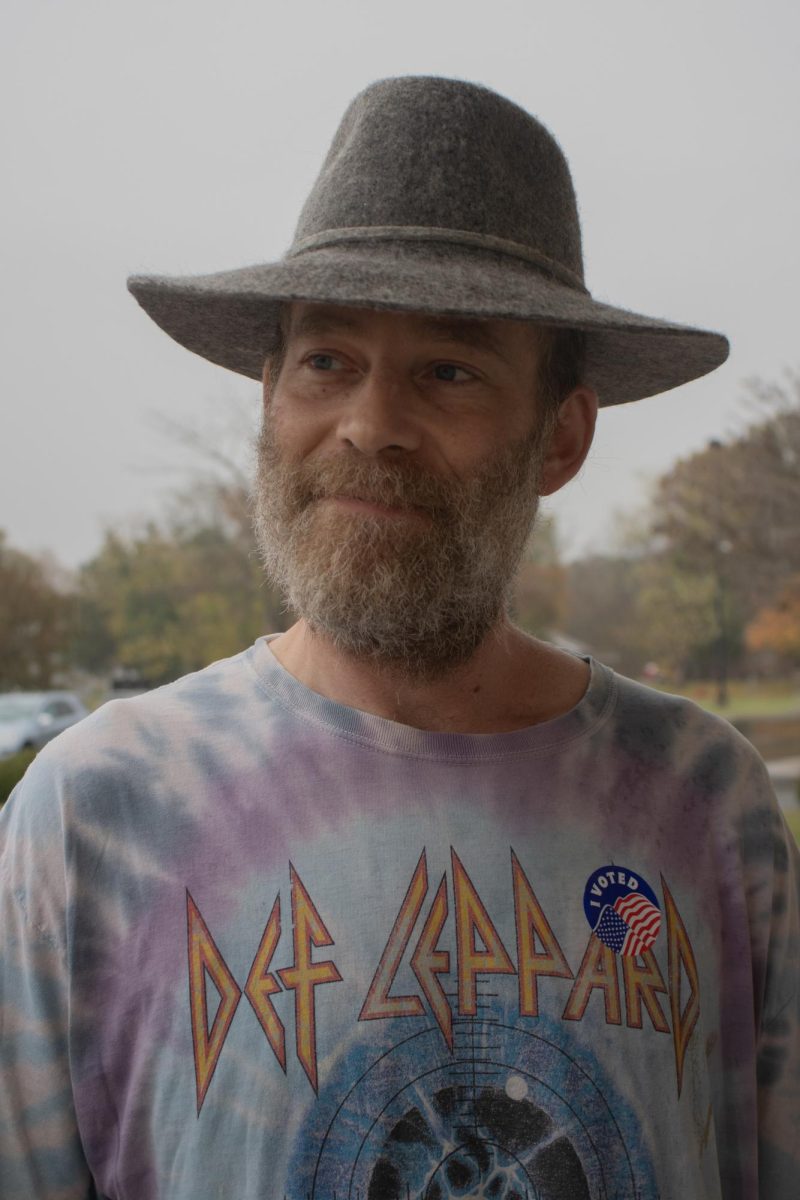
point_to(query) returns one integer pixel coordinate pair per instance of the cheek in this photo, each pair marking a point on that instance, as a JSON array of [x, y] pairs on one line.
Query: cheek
[[295, 430], [467, 445], [465, 450]]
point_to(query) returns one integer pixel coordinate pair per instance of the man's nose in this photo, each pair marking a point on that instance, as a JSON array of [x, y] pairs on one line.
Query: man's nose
[[378, 415]]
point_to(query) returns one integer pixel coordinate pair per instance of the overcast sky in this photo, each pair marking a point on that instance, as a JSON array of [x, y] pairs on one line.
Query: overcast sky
[[181, 136]]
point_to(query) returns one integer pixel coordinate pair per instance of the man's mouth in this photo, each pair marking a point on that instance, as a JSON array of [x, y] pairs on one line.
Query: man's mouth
[[368, 506]]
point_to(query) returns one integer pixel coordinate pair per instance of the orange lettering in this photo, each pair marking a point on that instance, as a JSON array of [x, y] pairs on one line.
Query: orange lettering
[[206, 963], [680, 954], [308, 930], [261, 985], [427, 963], [598, 969], [472, 918], [532, 923], [378, 1002], [641, 984]]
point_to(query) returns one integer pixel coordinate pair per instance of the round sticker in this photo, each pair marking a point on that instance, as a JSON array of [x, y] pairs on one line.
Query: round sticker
[[622, 909]]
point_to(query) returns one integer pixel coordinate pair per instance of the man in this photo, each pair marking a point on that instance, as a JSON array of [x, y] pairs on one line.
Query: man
[[402, 902]]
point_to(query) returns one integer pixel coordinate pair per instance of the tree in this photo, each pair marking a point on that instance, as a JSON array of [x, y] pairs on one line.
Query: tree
[[724, 536], [539, 589], [777, 628], [689, 626], [173, 595], [732, 508], [34, 621], [601, 610], [170, 600]]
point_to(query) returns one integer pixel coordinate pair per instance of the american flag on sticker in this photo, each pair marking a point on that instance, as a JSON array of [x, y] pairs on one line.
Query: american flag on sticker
[[630, 925]]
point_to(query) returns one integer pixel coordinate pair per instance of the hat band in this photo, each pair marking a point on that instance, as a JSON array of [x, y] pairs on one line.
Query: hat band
[[428, 233]]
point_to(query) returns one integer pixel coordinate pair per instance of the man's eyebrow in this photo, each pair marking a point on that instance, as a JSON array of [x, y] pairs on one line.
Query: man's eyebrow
[[319, 321], [474, 334]]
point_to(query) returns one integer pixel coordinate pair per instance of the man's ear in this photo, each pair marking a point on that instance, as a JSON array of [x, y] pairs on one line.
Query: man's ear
[[570, 440]]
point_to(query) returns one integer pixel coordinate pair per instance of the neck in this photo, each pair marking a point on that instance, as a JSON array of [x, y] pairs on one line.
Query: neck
[[510, 682]]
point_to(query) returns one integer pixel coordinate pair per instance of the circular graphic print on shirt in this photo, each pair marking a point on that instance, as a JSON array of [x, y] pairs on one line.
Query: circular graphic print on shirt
[[505, 1114], [622, 909]]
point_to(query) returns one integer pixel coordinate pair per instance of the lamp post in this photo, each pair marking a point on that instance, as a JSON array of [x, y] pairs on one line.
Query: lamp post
[[722, 547]]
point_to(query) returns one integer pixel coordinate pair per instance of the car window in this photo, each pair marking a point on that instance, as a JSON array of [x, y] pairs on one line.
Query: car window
[[14, 708]]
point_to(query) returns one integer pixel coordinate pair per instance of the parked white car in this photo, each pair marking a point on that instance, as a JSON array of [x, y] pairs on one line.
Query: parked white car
[[29, 719]]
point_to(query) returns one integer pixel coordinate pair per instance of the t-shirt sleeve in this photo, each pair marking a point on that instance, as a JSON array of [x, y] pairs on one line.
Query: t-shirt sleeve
[[40, 1149], [776, 900]]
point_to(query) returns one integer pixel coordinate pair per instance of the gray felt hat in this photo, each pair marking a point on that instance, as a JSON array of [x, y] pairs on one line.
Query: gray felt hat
[[436, 196]]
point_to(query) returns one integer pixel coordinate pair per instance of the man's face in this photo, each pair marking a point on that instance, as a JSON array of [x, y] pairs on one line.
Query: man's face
[[398, 478]]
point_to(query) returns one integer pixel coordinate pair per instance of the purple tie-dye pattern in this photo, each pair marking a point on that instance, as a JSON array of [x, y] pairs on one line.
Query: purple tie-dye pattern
[[215, 784]]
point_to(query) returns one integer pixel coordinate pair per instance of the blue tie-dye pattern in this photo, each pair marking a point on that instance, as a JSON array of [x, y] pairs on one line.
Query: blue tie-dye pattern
[[217, 783]]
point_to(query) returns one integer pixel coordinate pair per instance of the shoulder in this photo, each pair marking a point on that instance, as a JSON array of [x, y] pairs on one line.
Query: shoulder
[[704, 782], [675, 733], [128, 746], [152, 719], [690, 763]]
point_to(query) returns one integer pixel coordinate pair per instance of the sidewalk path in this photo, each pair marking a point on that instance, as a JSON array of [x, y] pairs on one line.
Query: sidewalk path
[[785, 776]]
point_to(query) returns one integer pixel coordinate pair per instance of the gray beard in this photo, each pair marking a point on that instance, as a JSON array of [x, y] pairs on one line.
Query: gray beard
[[414, 595]]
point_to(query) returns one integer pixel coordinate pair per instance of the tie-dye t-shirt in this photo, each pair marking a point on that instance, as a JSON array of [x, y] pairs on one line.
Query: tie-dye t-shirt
[[258, 944]]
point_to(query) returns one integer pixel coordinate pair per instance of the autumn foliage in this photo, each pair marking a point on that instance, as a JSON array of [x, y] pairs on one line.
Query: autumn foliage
[[777, 628]]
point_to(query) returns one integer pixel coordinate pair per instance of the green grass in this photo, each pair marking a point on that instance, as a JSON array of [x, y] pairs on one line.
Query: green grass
[[775, 698], [793, 821], [11, 771]]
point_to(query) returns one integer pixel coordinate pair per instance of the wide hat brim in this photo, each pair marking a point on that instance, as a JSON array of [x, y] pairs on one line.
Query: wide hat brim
[[231, 317]]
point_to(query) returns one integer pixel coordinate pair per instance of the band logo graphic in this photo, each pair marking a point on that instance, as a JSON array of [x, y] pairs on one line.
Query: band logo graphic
[[446, 944]]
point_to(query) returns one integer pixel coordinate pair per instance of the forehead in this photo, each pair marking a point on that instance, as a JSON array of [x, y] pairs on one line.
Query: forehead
[[492, 337]]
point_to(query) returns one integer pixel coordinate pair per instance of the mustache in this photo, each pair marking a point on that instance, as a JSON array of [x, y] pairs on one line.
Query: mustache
[[391, 485], [347, 474]]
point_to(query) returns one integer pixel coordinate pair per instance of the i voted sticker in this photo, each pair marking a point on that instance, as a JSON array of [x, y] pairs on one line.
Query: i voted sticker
[[622, 909]]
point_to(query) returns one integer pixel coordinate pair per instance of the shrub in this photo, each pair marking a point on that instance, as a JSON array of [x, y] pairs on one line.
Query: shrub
[[11, 771], [793, 821]]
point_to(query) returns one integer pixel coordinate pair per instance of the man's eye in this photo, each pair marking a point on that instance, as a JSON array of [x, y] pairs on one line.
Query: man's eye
[[322, 362], [450, 373]]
